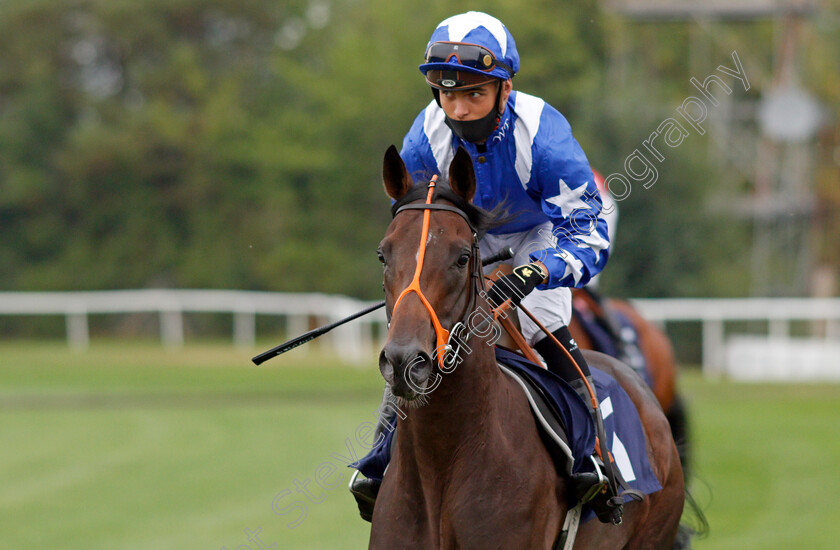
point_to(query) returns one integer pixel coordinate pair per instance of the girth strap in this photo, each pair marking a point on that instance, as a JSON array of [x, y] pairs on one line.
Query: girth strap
[[548, 419]]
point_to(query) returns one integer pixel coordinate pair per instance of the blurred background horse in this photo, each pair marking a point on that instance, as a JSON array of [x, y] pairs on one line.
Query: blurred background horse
[[657, 363]]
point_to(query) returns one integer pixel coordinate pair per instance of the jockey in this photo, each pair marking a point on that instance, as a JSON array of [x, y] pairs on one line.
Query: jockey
[[625, 344], [610, 215], [526, 160]]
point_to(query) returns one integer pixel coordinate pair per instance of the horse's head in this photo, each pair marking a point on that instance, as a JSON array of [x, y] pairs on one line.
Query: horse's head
[[431, 270]]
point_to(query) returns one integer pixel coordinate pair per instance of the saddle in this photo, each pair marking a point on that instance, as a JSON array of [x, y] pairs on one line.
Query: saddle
[[552, 428], [566, 428]]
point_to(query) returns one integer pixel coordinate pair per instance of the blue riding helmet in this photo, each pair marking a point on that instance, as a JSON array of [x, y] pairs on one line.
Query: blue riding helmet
[[472, 42]]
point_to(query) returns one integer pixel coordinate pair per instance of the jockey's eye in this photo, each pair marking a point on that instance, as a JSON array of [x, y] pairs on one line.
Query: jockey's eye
[[463, 259]]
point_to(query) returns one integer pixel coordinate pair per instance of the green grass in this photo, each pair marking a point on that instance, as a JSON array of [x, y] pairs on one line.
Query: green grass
[[131, 446], [136, 447], [767, 463]]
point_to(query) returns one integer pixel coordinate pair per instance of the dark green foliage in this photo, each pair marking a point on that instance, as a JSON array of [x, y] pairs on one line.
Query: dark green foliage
[[223, 144]]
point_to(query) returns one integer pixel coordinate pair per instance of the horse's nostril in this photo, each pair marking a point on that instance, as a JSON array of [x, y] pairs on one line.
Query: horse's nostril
[[420, 367], [400, 366], [386, 367]]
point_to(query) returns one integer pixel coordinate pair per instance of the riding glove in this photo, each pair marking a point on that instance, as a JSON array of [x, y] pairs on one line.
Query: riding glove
[[517, 285]]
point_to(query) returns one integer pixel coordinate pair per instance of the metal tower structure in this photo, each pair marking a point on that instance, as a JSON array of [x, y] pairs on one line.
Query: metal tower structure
[[764, 140]]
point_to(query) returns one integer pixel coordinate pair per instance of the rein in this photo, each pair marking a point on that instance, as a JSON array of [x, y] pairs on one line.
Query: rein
[[446, 350]]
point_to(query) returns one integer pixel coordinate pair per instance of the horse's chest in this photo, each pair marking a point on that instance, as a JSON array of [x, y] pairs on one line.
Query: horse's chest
[[491, 521], [478, 514]]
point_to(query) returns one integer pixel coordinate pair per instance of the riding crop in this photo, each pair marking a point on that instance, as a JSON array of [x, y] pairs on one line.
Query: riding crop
[[504, 254]]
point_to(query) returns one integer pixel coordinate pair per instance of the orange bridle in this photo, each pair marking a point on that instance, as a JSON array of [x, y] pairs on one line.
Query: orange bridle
[[441, 333]]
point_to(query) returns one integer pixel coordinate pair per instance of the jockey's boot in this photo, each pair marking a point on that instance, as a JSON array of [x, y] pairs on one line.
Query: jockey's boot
[[597, 488], [365, 490]]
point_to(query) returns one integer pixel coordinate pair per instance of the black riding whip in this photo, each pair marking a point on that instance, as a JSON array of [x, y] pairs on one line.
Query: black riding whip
[[311, 335], [504, 254]]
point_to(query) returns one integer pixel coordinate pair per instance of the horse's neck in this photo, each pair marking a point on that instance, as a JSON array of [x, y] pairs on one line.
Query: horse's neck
[[458, 409]]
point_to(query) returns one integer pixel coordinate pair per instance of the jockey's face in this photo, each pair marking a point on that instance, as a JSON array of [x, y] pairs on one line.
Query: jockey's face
[[475, 103]]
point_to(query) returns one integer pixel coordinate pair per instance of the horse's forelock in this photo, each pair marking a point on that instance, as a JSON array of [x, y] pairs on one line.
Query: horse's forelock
[[481, 219]]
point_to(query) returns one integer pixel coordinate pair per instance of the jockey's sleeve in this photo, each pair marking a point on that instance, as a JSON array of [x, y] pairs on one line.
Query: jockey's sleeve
[[579, 245]]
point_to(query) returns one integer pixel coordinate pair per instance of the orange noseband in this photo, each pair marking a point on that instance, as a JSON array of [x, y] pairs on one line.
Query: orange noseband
[[441, 333]]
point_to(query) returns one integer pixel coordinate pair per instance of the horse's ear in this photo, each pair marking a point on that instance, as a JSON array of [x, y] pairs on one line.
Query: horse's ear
[[395, 175], [462, 175]]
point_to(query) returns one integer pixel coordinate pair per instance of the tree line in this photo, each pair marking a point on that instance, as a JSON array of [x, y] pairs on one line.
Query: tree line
[[238, 144]]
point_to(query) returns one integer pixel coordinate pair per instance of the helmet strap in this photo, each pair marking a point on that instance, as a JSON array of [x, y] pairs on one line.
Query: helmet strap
[[436, 93]]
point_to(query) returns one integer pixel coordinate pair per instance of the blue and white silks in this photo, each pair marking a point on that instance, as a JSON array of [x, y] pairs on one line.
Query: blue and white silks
[[533, 165]]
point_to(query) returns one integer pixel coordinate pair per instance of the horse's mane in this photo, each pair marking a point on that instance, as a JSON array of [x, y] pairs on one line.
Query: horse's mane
[[482, 220]]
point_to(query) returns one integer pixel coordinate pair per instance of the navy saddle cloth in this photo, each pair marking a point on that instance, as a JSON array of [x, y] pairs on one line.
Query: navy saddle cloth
[[625, 437]]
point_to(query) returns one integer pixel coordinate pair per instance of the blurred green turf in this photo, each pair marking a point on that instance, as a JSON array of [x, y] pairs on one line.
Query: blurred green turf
[[131, 446], [767, 459]]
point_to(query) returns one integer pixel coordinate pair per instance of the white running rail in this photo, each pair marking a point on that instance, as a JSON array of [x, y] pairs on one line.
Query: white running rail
[[355, 340]]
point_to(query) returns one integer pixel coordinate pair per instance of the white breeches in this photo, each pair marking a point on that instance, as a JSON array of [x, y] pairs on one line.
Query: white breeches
[[553, 307]]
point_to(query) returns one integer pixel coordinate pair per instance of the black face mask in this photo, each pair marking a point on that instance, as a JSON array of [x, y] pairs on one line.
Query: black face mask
[[474, 131]]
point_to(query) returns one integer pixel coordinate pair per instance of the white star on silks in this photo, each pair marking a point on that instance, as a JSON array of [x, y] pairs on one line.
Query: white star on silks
[[574, 267], [570, 199]]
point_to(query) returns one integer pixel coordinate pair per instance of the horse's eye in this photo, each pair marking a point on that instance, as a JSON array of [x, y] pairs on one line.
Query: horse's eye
[[463, 259], [380, 256]]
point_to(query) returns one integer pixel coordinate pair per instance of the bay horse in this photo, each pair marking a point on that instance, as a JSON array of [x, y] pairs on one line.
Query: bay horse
[[469, 469], [658, 353]]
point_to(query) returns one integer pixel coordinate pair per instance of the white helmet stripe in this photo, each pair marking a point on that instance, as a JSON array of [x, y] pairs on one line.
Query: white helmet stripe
[[461, 25]]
